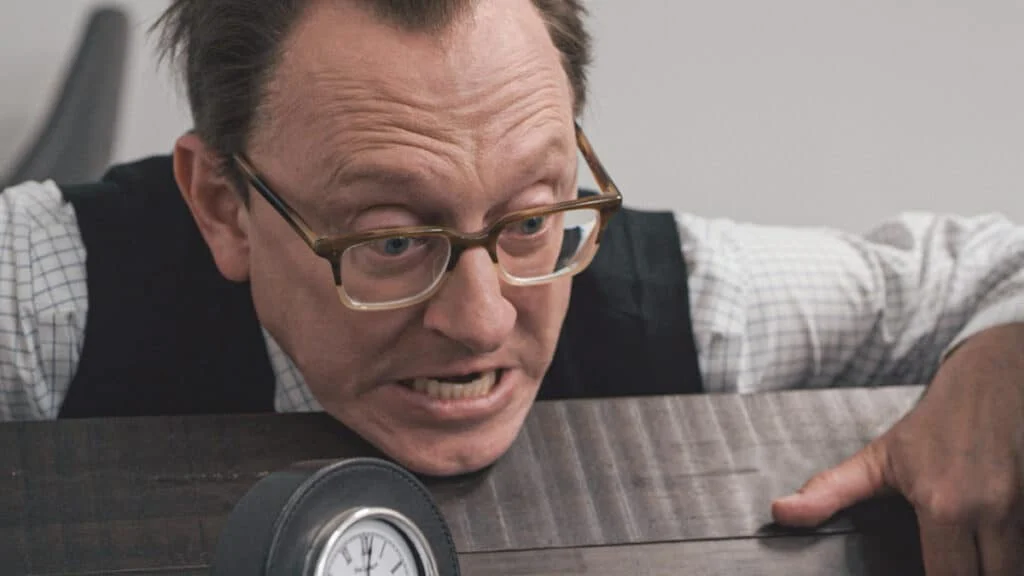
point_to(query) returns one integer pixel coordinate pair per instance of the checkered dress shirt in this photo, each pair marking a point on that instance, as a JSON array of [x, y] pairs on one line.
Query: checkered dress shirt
[[772, 307]]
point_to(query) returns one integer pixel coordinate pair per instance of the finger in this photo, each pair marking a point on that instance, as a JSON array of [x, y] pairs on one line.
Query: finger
[[1001, 548], [948, 549], [860, 477]]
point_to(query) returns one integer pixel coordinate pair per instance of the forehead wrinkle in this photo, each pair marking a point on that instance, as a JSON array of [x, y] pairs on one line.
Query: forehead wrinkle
[[377, 158], [540, 150], [354, 104], [336, 81], [347, 119], [447, 77], [361, 112], [531, 89], [475, 104]]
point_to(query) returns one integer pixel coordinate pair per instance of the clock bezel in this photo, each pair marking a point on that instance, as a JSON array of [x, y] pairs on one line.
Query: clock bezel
[[405, 527]]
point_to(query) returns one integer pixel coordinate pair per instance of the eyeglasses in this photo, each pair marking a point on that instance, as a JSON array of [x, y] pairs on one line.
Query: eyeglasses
[[391, 268]]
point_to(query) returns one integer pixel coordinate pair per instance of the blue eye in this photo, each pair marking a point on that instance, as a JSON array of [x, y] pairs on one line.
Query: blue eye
[[395, 246], [532, 225]]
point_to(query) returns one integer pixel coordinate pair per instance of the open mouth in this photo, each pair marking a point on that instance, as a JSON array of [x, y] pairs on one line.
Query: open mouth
[[472, 385]]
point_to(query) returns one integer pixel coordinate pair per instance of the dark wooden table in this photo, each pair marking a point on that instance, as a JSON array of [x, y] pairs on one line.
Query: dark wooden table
[[667, 485]]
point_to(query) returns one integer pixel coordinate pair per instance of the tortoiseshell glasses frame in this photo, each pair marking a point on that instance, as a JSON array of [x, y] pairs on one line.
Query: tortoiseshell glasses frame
[[332, 248]]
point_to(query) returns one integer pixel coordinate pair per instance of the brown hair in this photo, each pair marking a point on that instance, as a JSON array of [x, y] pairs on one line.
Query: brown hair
[[227, 51]]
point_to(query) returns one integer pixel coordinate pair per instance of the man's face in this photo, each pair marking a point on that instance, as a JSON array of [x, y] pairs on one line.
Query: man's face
[[365, 126]]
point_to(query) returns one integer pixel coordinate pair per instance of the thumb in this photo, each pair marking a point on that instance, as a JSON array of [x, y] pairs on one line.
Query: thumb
[[858, 478]]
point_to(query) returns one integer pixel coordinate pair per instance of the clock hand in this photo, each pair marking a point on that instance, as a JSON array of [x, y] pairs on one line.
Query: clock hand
[[369, 557]]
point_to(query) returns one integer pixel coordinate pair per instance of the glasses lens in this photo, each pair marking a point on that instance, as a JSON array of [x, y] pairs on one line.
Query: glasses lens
[[393, 270], [539, 248]]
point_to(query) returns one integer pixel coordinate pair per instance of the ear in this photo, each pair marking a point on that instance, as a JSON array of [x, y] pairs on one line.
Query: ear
[[216, 205]]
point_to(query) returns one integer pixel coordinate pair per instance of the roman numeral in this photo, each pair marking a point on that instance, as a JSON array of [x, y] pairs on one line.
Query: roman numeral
[[397, 566]]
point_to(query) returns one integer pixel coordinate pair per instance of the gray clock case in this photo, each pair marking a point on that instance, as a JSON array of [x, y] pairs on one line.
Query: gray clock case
[[273, 527]]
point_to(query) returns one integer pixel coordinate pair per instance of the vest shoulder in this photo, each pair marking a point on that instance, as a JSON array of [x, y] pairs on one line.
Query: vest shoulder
[[145, 173], [152, 166], [153, 172]]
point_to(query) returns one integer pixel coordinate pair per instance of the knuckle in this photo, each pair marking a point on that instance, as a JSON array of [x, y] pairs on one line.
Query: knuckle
[[1000, 499], [943, 505], [948, 503]]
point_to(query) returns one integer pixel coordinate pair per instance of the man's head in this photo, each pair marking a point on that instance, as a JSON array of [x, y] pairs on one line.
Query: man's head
[[370, 114]]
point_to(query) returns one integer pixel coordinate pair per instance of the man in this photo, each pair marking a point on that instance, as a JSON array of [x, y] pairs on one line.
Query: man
[[389, 190]]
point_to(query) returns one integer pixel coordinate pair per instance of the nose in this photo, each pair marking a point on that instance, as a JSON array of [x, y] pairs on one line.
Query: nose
[[470, 308]]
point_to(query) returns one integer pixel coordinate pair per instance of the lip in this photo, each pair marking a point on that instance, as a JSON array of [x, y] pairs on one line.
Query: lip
[[456, 411]]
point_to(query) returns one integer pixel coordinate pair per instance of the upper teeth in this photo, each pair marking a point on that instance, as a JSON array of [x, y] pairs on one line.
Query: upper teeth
[[451, 390]]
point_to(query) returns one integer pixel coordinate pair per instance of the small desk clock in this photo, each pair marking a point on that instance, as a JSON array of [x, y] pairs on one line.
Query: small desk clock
[[352, 517]]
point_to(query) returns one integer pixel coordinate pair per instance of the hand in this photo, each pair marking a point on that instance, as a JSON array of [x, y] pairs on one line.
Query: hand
[[957, 457]]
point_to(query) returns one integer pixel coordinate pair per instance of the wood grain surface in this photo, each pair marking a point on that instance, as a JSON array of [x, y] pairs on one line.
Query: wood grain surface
[[661, 485]]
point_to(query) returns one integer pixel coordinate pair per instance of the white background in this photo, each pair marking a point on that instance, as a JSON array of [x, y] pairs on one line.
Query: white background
[[786, 112]]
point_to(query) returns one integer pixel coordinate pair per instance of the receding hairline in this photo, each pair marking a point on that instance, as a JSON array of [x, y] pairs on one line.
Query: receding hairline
[[278, 99], [437, 16], [329, 164], [438, 23], [227, 51]]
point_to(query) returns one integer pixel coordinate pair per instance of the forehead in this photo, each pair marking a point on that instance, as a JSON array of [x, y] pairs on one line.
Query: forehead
[[348, 83]]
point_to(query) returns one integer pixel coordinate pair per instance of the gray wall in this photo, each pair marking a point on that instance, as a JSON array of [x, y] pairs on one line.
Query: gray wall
[[790, 111]]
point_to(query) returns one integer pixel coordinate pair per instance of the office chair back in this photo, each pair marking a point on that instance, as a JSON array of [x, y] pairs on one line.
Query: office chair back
[[76, 141]]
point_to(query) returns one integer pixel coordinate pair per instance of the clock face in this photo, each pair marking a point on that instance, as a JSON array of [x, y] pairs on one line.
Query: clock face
[[371, 547]]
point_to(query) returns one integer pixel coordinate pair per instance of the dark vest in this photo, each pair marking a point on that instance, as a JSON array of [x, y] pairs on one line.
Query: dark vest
[[167, 334]]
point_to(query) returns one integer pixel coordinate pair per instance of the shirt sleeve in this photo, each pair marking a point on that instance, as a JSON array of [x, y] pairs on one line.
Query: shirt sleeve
[[777, 308], [43, 300]]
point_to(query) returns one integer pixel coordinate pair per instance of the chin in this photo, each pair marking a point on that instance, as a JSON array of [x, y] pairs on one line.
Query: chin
[[459, 453], [437, 448]]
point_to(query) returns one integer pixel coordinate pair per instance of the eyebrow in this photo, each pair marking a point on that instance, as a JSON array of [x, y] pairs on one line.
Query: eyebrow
[[384, 176], [413, 183], [388, 184]]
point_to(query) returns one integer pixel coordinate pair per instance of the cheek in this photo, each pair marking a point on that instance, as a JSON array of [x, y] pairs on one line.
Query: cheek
[[335, 348], [295, 298], [288, 280], [540, 313]]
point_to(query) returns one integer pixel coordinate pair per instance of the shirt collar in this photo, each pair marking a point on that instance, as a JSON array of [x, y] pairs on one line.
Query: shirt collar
[[290, 391]]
